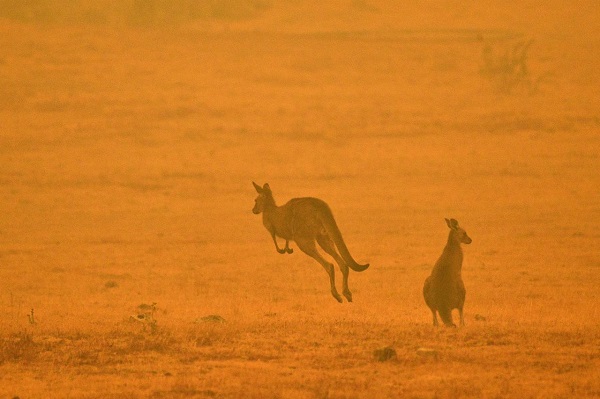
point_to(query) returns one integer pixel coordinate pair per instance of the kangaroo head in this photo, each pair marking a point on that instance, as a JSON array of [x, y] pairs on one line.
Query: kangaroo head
[[458, 234], [264, 199]]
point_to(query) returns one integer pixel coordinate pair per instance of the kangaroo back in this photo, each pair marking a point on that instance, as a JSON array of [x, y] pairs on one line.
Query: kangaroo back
[[334, 232]]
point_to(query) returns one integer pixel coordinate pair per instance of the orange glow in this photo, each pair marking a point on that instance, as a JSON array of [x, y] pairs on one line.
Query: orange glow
[[131, 133]]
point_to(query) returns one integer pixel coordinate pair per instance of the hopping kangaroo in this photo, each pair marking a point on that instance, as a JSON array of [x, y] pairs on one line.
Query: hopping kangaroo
[[444, 290], [305, 220]]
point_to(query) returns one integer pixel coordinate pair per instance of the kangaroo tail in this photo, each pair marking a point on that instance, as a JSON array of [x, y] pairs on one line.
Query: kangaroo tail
[[446, 316], [334, 232]]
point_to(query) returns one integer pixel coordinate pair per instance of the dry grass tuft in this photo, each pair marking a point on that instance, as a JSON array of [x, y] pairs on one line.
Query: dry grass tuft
[[506, 66], [18, 347], [385, 354]]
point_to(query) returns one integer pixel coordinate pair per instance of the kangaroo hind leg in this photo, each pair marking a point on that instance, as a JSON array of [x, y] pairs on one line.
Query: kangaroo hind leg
[[328, 246], [308, 247]]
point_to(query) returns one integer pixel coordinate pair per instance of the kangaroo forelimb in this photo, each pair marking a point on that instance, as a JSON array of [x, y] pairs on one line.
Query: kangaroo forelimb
[[281, 251], [287, 248]]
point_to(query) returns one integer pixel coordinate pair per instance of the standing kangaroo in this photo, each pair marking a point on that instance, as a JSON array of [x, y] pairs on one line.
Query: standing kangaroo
[[305, 220], [444, 290]]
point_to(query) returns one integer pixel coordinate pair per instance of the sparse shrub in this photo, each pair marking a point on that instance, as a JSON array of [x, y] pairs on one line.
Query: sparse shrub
[[31, 317], [363, 5], [146, 317], [479, 317], [206, 337], [211, 318], [17, 348], [212, 334], [183, 389], [385, 354], [428, 353], [161, 341], [111, 284], [506, 66], [85, 357]]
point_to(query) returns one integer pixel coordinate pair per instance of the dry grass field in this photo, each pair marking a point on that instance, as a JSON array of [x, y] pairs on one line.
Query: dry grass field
[[129, 139]]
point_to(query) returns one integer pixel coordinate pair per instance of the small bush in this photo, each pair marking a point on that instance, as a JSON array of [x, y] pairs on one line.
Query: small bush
[[385, 354], [111, 284], [506, 67]]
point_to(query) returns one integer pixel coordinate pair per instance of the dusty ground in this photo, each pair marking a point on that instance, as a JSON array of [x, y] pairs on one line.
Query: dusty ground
[[127, 152]]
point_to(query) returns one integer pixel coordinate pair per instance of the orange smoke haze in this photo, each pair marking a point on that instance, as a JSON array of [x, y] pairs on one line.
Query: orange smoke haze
[[131, 264]]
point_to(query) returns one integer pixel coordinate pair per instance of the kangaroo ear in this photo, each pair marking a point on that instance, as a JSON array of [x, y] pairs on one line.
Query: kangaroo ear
[[266, 187], [258, 188], [452, 223]]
